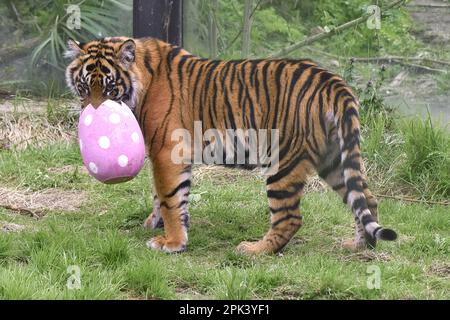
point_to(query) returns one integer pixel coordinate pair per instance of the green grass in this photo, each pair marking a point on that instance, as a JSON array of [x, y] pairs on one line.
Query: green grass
[[412, 153], [427, 162], [105, 239]]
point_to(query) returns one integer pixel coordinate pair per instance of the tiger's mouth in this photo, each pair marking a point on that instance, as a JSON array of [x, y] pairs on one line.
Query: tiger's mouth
[[125, 100]]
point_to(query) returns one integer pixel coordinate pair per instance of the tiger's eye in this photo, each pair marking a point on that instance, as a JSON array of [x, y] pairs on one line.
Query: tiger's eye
[[109, 86]]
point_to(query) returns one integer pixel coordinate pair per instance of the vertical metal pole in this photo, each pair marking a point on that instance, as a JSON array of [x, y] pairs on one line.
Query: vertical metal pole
[[162, 19]]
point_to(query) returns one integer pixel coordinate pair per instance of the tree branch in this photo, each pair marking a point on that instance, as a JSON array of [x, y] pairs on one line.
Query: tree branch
[[20, 210], [440, 6], [324, 35], [389, 59], [404, 61], [240, 31]]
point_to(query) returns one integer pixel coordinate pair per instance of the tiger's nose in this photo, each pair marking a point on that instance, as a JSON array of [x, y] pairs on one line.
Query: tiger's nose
[[96, 98], [96, 104]]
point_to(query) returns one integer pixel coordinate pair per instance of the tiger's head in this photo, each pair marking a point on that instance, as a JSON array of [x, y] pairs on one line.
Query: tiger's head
[[102, 69]]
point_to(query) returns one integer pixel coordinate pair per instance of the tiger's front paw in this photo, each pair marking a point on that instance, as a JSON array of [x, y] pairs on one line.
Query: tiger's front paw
[[253, 248], [166, 245], [154, 221]]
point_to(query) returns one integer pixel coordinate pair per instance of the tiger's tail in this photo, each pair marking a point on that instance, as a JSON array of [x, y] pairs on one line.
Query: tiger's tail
[[346, 119]]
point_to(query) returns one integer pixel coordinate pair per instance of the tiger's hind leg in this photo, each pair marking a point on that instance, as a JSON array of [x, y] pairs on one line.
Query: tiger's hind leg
[[284, 198], [333, 174], [154, 220]]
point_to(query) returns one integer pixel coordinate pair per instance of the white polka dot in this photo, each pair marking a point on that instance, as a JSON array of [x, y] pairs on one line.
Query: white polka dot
[[103, 142], [93, 167], [135, 137], [81, 145], [114, 118], [88, 120], [122, 160]]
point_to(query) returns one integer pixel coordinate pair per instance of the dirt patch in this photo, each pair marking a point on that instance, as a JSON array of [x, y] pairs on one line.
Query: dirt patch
[[367, 256], [223, 175], [36, 106], [18, 131], [23, 105], [190, 294], [68, 169], [37, 203], [10, 227], [433, 18], [315, 184], [414, 93], [440, 270]]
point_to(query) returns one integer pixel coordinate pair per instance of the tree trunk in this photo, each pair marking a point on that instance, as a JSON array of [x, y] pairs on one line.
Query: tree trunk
[[246, 28], [213, 29]]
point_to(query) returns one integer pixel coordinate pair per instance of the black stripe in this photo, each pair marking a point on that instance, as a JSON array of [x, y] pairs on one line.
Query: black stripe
[[366, 219], [230, 110], [173, 54], [295, 76], [374, 233], [184, 184], [165, 205], [147, 63], [180, 72], [285, 218], [350, 162], [324, 173], [323, 77], [359, 203], [349, 113], [353, 185], [285, 171], [104, 69], [196, 87], [286, 208], [280, 194], [185, 219], [182, 203], [278, 72], [265, 82], [187, 169], [224, 75], [351, 142], [337, 96], [338, 186]]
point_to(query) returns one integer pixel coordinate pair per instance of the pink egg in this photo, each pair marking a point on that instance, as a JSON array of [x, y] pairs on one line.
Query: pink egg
[[111, 142]]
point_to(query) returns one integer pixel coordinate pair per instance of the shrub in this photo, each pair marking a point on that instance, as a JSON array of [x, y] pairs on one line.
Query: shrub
[[426, 149]]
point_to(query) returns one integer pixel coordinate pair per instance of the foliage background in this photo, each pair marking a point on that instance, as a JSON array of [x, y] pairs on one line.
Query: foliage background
[[99, 227]]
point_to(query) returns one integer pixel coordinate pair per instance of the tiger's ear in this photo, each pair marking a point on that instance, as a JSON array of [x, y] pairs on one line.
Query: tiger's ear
[[127, 52], [73, 49]]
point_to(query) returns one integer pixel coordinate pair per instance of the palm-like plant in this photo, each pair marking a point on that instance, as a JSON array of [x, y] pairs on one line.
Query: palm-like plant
[[98, 19]]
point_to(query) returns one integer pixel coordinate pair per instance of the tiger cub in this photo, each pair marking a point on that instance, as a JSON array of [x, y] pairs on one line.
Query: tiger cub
[[313, 111]]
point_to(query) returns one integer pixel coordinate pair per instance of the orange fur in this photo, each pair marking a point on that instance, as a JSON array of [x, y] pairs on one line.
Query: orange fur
[[313, 109]]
